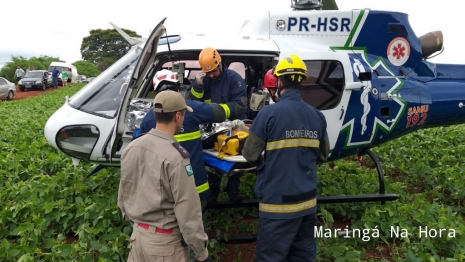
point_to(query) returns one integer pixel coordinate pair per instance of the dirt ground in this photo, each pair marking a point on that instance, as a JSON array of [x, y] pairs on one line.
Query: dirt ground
[[245, 251], [31, 93]]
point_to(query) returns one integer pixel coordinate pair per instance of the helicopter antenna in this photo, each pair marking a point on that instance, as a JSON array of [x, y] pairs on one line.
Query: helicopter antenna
[[169, 47], [306, 5]]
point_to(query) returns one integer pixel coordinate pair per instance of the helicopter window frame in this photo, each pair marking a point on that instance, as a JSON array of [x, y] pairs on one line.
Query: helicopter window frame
[[324, 92]]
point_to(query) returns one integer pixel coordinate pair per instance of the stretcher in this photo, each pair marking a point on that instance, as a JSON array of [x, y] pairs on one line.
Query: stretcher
[[228, 165]]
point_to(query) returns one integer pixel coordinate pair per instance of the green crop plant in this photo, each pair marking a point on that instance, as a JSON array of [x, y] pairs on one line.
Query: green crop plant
[[51, 210]]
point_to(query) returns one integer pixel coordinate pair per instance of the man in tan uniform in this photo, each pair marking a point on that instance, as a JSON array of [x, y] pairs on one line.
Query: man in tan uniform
[[157, 192]]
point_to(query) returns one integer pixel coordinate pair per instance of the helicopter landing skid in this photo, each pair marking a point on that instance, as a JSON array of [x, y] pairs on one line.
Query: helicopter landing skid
[[381, 196]]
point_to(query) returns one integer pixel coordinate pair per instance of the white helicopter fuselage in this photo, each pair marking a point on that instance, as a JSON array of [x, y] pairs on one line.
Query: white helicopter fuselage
[[322, 39]]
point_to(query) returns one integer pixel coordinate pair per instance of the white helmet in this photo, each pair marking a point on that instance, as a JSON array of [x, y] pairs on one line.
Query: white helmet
[[165, 79]]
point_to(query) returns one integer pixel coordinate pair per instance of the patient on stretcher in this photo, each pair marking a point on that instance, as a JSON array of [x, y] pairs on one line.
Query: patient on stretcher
[[227, 138], [223, 146]]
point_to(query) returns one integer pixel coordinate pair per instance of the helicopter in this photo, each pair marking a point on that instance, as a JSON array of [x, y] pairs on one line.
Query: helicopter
[[368, 73]]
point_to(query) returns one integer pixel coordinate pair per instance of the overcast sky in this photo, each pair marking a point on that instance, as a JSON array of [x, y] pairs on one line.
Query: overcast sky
[[34, 28]]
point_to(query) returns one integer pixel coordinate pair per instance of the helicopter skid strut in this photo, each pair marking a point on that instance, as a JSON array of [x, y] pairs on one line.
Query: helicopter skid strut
[[381, 196]]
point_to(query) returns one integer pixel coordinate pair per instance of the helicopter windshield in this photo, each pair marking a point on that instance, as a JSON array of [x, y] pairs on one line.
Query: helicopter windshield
[[103, 95]]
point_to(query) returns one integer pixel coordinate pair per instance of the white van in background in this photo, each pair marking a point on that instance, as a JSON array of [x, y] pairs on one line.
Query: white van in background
[[72, 78]]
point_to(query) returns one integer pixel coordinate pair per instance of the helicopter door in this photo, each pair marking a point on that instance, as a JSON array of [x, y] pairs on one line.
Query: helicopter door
[[144, 68]]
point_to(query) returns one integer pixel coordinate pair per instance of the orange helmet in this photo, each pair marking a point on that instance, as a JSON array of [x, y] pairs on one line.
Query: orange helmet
[[209, 59], [270, 80]]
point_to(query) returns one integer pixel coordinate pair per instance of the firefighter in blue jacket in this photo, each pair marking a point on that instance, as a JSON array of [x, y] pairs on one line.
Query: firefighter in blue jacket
[[223, 86], [189, 135], [293, 135]]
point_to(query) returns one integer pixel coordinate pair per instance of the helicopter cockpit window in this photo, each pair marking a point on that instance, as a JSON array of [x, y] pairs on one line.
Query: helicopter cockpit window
[[103, 95], [325, 84]]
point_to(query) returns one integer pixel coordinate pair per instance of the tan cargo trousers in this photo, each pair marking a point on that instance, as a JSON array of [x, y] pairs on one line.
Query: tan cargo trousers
[[150, 245], [204, 203]]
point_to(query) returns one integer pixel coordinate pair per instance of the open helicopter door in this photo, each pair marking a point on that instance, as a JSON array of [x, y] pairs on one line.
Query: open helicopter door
[[142, 75]]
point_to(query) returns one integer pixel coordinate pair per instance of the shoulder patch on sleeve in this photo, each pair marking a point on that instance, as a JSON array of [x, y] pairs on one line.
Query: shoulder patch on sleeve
[[181, 150], [189, 170]]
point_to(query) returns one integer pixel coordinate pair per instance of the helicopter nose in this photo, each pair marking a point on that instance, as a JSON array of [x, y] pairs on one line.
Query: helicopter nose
[[50, 131]]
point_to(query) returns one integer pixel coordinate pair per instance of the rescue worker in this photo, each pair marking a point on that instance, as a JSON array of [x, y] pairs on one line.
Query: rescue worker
[[293, 135], [157, 192], [226, 87], [189, 135], [269, 85]]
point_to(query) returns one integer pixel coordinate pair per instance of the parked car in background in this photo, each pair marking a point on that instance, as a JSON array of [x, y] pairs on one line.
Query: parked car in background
[[88, 79], [81, 78], [7, 89], [35, 79]]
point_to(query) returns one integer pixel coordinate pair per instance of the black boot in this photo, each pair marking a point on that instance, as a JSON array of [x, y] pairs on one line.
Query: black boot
[[236, 198]]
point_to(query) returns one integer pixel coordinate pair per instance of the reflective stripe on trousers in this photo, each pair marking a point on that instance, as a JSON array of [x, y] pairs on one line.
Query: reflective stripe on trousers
[[287, 208]]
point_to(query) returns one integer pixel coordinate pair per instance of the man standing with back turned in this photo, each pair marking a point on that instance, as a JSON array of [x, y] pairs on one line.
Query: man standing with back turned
[[157, 192], [293, 135]]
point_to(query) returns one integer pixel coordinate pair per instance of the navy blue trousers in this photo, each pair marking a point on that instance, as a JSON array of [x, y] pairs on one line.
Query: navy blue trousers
[[283, 240], [232, 185]]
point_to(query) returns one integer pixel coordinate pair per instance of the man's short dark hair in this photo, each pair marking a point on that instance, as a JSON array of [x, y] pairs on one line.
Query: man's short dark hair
[[288, 82], [166, 118]]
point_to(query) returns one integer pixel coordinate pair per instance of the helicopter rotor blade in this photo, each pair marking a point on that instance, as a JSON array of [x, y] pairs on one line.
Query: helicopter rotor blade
[[131, 40]]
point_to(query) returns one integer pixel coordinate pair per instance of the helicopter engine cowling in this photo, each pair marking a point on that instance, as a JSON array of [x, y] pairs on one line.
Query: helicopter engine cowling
[[431, 43]]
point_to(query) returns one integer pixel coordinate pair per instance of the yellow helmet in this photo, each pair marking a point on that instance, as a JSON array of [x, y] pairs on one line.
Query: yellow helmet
[[291, 65], [209, 59]]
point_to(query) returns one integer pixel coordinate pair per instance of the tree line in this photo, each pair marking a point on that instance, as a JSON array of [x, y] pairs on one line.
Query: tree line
[[99, 51]]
